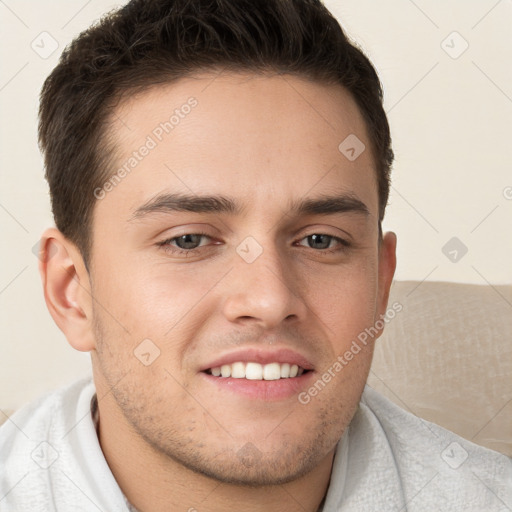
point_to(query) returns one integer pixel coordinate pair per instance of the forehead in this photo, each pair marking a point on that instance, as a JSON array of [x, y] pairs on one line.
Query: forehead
[[262, 138]]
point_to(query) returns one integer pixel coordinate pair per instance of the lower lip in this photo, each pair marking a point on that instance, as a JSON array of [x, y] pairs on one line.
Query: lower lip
[[268, 390]]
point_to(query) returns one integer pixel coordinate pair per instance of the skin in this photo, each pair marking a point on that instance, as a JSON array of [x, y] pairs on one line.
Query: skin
[[173, 440]]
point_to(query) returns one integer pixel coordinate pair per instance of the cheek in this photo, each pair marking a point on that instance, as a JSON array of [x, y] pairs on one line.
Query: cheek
[[147, 294], [164, 304], [343, 298]]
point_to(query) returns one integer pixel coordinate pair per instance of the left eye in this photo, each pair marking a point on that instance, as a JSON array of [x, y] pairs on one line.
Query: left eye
[[323, 241]]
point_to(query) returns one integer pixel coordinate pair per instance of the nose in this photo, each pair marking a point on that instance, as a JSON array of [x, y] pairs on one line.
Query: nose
[[264, 291]]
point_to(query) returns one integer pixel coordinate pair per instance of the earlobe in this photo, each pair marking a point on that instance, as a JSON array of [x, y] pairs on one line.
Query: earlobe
[[66, 287]]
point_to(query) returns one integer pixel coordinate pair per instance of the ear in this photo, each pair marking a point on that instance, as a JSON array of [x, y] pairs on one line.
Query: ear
[[387, 265], [67, 289]]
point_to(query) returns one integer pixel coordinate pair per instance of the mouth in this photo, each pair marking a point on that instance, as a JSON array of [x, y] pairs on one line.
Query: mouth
[[255, 371], [268, 375]]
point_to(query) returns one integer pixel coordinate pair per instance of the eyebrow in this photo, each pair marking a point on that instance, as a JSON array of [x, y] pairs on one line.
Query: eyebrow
[[219, 204]]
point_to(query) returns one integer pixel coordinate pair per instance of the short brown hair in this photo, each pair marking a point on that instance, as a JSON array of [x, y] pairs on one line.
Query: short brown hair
[[147, 42]]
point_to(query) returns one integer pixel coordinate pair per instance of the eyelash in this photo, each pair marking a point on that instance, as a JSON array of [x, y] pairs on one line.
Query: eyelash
[[165, 244]]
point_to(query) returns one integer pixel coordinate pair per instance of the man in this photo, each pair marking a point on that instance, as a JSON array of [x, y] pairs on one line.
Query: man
[[219, 171]]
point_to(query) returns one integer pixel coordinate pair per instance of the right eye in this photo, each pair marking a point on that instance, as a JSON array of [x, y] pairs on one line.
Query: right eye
[[185, 244]]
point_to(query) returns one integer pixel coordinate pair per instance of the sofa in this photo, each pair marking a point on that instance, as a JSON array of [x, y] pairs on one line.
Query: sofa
[[447, 358]]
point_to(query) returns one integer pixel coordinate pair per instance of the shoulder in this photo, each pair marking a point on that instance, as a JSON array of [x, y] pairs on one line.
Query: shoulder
[[34, 444], [52, 411], [432, 460]]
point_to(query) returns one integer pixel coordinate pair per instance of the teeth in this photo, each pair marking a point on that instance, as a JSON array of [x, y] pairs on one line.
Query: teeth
[[253, 371], [272, 371], [237, 370], [256, 371]]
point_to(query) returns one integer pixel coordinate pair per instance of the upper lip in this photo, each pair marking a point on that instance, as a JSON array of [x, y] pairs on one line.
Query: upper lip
[[257, 355]]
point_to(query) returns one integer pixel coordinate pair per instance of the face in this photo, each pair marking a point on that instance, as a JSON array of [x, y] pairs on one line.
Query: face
[[243, 242]]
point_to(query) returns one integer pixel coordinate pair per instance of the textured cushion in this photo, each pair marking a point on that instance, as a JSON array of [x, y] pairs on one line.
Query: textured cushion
[[447, 357]]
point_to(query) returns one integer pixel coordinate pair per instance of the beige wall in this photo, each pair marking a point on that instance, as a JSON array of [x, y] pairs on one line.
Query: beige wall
[[450, 119]]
